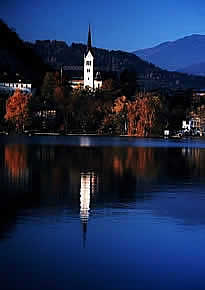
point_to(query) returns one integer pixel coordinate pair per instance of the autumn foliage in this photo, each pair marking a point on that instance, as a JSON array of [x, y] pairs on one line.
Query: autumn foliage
[[140, 116], [17, 111], [106, 111], [144, 115]]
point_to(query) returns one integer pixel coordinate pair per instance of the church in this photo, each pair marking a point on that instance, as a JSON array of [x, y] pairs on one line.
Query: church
[[91, 79]]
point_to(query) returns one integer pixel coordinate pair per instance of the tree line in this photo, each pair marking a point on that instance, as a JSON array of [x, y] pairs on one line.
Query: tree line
[[119, 108]]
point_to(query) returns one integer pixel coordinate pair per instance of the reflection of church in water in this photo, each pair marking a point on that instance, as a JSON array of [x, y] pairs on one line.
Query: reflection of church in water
[[89, 183]]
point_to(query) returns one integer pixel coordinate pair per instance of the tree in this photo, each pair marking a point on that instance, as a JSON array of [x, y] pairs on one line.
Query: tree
[[48, 100], [121, 114], [144, 115], [17, 111], [64, 104], [50, 83], [109, 84], [112, 121]]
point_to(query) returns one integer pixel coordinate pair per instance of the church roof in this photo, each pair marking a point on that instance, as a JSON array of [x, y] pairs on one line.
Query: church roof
[[89, 43]]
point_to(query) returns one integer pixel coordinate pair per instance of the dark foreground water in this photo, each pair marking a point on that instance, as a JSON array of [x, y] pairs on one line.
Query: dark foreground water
[[101, 213]]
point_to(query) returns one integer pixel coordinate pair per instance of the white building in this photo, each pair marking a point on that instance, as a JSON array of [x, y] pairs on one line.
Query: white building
[[90, 80], [191, 124], [89, 64], [10, 86]]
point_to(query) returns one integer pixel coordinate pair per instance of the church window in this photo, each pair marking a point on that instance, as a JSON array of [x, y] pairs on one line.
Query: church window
[[88, 62]]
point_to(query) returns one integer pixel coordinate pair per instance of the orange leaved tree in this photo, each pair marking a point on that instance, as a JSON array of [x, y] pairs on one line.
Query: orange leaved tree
[[17, 109], [145, 115]]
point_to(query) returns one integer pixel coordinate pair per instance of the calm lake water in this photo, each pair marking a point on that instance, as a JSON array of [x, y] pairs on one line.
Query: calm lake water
[[102, 213]]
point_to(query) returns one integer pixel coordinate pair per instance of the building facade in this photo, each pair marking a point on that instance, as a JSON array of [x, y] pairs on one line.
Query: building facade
[[11, 86], [91, 78]]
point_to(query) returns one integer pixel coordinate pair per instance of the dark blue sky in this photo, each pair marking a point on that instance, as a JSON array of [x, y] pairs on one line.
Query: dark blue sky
[[116, 24]]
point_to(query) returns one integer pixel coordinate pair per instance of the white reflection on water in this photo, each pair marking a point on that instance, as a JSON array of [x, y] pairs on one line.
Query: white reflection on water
[[85, 189], [85, 141], [88, 186]]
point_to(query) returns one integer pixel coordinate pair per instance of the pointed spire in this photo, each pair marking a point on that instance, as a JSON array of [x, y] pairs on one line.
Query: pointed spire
[[89, 45]]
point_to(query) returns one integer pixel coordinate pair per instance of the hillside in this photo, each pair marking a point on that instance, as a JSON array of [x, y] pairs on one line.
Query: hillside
[[176, 55], [58, 53], [195, 69], [16, 56]]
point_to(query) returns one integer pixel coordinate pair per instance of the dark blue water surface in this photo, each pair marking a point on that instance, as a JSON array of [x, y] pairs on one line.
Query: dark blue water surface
[[102, 213]]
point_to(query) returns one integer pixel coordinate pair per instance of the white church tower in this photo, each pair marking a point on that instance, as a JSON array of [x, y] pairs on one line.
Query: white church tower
[[89, 64]]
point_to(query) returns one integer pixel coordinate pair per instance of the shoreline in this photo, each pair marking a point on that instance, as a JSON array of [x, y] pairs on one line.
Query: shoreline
[[56, 134]]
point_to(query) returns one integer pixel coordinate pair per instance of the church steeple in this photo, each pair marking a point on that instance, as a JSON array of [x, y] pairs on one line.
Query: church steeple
[[89, 64], [89, 45]]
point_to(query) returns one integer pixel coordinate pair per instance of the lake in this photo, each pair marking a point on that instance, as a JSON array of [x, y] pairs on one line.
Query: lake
[[102, 213]]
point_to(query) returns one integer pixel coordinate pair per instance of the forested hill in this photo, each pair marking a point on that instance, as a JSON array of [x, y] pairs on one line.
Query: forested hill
[[16, 56], [58, 53], [33, 59]]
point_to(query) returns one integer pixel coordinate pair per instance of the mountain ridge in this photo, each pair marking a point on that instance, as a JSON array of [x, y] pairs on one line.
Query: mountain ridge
[[176, 55]]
